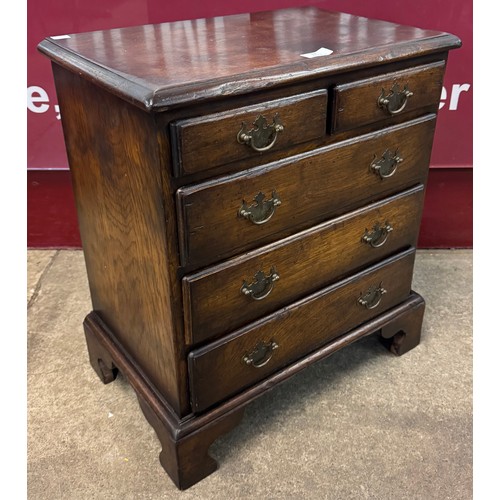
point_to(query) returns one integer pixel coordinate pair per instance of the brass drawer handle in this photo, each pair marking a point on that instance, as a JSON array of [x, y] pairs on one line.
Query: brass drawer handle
[[262, 136], [378, 235], [395, 101], [387, 165], [261, 354], [262, 285], [372, 298], [262, 210]]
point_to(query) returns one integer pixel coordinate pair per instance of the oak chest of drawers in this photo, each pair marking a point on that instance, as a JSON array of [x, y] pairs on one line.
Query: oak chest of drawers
[[249, 191]]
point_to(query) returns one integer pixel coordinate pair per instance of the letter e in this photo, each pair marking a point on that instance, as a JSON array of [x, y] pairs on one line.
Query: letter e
[[444, 95], [37, 95]]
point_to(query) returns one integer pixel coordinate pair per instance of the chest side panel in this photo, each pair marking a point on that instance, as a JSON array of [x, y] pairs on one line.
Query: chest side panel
[[118, 185]]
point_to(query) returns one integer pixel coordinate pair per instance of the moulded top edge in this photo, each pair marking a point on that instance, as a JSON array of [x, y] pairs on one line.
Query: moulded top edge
[[164, 65]]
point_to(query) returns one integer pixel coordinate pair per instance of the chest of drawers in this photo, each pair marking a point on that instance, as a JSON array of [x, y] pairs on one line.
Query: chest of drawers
[[245, 209]]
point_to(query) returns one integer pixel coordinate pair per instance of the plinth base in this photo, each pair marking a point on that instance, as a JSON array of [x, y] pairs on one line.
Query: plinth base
[[185, 442]]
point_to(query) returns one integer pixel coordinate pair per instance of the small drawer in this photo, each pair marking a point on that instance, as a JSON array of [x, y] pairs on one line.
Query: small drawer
[[380, 98], [209, 141], [232, 214], [225, 297], [223, 368]]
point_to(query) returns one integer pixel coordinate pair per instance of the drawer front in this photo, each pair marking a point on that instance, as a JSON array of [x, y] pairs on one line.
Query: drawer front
[[222, 298], [213, 140], [390, 95], [231, 364], [229, 215]]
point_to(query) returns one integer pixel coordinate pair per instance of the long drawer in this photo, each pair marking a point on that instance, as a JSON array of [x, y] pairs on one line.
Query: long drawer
[[232, 214], [223, 368], [222, 298]]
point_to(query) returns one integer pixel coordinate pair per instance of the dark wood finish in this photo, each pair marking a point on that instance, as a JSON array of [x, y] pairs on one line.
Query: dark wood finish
[[99, 357], [187, 460], [305, 262], [403, 334], [52, 220], [182, 427], [160, 66], [312, 187], [247, 396], [150, 121], [185, 442], [229, 103], [119, 193], [325, 315], [205, 142], [184, 454], [356, 103]]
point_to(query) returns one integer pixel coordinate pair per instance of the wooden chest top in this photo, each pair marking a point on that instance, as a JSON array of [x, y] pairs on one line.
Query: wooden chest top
[[261, 216], [163, 65]]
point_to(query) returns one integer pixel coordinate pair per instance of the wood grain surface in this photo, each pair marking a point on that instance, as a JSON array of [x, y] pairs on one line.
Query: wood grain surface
[[312, 187], [214, 304], [185, 441], [356, 103], [117, 180], [164, 194], [297, 329], [205, 142], [164, 65]]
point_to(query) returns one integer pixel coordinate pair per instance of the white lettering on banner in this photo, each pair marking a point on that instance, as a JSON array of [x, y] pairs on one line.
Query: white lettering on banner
[[455, 94], [456, 90], [38, 99], [37, 95], [444, 95]]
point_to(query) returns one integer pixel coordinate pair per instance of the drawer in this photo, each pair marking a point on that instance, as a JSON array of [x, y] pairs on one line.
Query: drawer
[[366, 101], [232, 363], [225, 297], [209, 141], [232, 214]]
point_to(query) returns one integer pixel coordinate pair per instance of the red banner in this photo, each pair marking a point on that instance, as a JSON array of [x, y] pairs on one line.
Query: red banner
[[453, 142]]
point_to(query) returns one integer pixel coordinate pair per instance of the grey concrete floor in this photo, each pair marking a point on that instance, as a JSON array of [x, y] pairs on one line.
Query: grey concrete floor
[[362, 424]]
